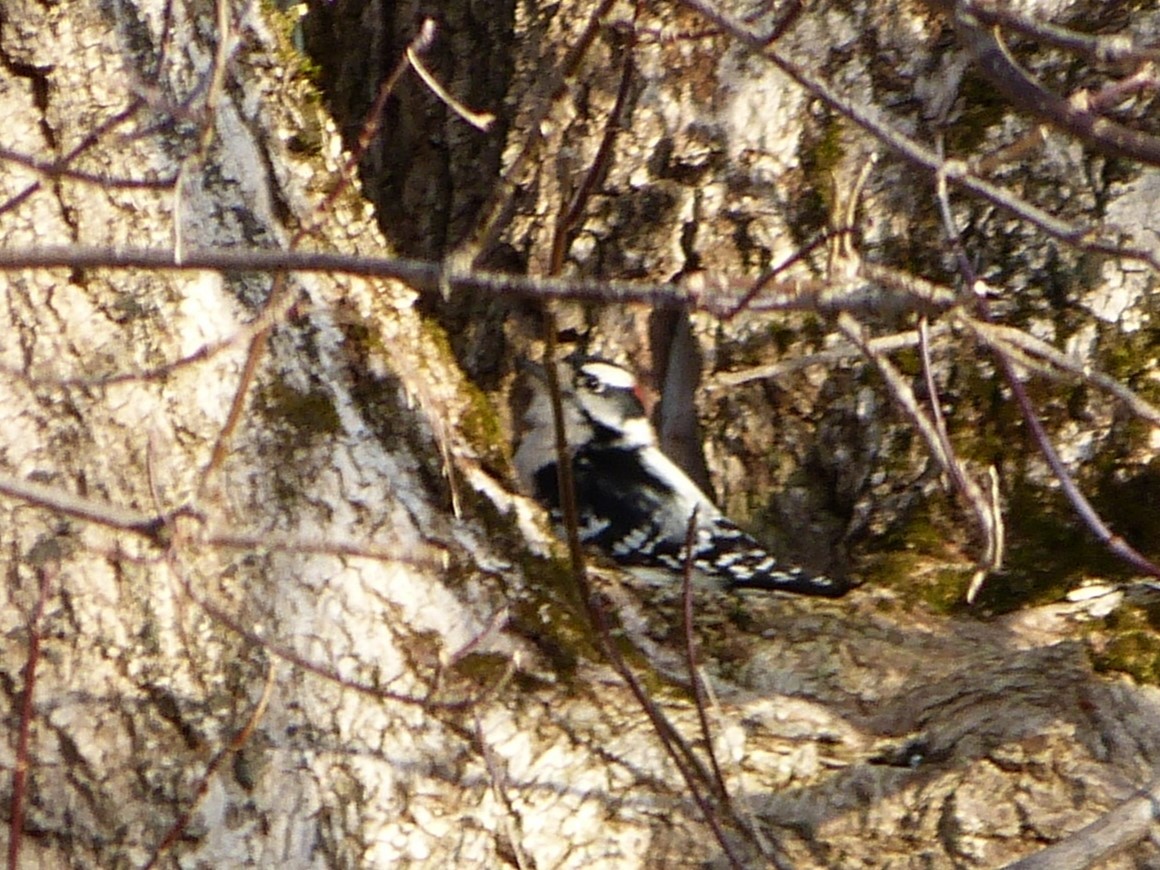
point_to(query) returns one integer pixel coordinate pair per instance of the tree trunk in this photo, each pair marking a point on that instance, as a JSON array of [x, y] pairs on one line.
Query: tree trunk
[[271, 598]]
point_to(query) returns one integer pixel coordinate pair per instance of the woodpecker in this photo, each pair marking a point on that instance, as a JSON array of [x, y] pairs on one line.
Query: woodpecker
[[632, 501]]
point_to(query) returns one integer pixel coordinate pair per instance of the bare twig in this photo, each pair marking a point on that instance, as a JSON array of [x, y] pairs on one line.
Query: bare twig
[[1071, 490], [993, 558], [763, 281], [422, 42], [1004, 72], [552, 84], [989, 520], [227, 42], [496, 778], [46, 574], [236, 743], [691, 657], [234, 624], [424, 274], [86, 143], [281, 290], [479, 120], [82, 507], [1103, 239], [883, 344], [281, 544], [268, 316], [565, 480], [574, 210], [678, 750], [241, 392], [1055, 363], [1116, 48], [54, 169], [938, 445], [688, 765], [798, 295]]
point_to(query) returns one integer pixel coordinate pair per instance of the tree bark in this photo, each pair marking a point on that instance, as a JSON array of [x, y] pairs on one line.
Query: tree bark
[[270, 597]]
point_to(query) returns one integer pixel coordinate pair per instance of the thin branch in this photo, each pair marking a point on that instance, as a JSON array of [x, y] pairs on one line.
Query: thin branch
[[424, 274], [89, 141], [1010, 79], [574, 210], [688, 765], [565, 480], [1116, 48], [763, 280], [227, 42], [1056, 363], [236, 743], [936, 442], [551, 86], [235, 624], [57, 169], [45, 576], [81, 507], [686, 761], [1080, 504], [268, 316], [495, 776], [1091, 238], [280, 290], [259, 542], [988, 518], [884, 344], [254, 356], [691, 658], [422, 42], [993, 560], [797, 295]]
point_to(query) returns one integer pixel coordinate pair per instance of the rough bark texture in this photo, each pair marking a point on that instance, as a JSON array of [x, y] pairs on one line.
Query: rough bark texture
[[395, 670]]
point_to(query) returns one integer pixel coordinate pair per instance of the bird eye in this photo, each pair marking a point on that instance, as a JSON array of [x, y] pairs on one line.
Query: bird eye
[[592, 383]]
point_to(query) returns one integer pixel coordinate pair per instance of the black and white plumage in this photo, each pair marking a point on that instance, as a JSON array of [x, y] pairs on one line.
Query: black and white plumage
[[632, 501]]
